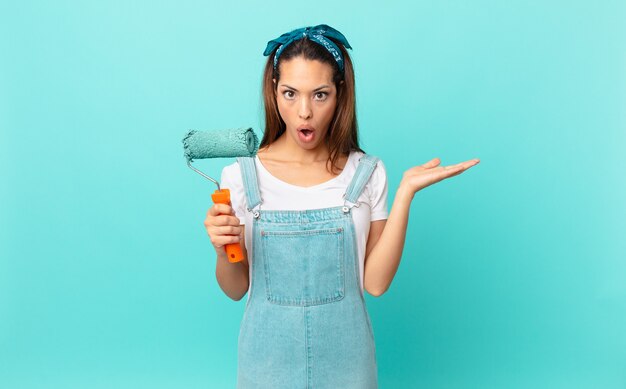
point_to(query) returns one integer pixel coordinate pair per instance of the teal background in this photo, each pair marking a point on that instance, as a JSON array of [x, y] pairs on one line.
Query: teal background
[[513, 273]]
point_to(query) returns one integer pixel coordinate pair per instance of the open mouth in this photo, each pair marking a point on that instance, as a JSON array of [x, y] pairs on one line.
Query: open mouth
[[306, 135]]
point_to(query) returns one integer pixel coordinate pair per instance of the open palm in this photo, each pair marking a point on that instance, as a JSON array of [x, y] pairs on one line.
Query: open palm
[[419, 177]]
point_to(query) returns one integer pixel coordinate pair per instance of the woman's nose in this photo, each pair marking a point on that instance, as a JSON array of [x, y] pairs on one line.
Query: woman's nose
[[304, 111]]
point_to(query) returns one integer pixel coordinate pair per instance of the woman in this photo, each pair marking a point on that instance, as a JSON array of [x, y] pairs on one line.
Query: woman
[[318, 231]]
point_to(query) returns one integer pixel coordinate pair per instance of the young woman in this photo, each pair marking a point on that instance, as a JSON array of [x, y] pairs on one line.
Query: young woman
[[310, 211]]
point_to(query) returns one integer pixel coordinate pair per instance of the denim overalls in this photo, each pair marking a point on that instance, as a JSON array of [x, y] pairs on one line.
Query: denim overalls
[[305, 323]]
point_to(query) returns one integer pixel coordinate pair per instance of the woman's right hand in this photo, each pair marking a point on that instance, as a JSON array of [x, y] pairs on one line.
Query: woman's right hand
[[222, 226]]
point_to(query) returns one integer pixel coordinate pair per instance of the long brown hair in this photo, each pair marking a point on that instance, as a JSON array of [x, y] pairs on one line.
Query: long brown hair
[[342, 135]]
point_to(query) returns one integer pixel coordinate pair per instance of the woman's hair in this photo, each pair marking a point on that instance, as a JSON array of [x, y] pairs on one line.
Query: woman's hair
[[342, 136]]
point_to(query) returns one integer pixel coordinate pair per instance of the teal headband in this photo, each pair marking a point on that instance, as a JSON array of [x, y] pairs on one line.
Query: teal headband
[[318, 34]]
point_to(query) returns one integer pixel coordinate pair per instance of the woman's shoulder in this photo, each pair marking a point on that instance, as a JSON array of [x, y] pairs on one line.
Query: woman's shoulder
[[231, 173], [230, 168], [234, 166]]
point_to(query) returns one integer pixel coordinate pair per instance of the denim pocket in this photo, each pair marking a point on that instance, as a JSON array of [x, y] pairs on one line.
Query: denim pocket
[[304, 267]]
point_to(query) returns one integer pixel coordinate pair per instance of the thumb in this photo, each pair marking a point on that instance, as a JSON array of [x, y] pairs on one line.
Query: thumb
[[432, 163]]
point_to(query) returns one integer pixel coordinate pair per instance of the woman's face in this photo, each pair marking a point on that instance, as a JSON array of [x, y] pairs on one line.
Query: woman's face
[[306, 99]]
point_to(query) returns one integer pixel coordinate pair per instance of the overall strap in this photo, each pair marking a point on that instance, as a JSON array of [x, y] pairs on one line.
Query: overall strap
[[250, 182], [367, 164]]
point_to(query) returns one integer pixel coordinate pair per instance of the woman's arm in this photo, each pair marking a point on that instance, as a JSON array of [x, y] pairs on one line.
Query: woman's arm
[[384, 246], [386, 239], [223, 227], [233, 278]]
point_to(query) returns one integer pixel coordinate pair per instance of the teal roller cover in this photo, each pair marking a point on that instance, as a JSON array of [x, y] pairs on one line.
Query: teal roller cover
[[239, 142]]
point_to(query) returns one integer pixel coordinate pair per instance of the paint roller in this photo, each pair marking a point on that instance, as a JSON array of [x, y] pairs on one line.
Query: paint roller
[[239, 142]]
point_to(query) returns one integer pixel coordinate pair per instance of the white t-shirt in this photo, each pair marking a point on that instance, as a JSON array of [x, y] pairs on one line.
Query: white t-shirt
[[279, 195]]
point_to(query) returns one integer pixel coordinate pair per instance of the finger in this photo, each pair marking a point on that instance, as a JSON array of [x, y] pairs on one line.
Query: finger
[[456, 170], [226, 220], [220, 209], [456, 173], [468, 163], [442, 172], [432, 163], [463, 165], [227, 230], [454, 167], [221, 220], [452, 172], [428, 165], [448, 171], [222, 240]]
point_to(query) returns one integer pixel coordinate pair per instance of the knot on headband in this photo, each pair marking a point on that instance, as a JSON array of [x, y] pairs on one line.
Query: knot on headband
[[319, 34]]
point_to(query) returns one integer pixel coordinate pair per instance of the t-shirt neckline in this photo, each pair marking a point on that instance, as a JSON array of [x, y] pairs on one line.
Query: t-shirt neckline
[[298, 187]]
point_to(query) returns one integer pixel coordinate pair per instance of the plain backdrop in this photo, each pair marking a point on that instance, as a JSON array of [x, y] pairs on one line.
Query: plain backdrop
[[513, 274]]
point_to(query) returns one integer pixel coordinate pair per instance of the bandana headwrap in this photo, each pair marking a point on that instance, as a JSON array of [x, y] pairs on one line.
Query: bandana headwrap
[[318, 34]]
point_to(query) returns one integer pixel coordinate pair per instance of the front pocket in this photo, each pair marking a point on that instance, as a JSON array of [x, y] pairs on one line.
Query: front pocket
[[304, 267]]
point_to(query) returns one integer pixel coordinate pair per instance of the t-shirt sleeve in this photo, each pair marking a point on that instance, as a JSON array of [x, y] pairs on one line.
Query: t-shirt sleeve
[[378, 192], [231, 180]]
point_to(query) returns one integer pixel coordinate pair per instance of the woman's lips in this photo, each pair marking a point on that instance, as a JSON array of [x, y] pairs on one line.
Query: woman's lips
[[306, 134]]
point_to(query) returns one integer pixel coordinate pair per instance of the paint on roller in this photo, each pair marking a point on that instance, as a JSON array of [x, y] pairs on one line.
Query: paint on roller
[[239, 142]]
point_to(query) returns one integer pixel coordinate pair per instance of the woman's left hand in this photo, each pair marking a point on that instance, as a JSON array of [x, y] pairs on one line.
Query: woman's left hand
[[419, 177]]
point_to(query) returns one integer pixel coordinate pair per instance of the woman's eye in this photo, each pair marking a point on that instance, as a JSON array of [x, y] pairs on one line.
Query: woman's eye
[[290, 95]]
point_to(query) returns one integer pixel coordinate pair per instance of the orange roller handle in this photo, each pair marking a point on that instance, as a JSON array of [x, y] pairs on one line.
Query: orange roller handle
[[233, 250]]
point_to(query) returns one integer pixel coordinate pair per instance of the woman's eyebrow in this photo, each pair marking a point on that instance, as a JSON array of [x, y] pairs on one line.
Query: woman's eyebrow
[[316, 89]]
